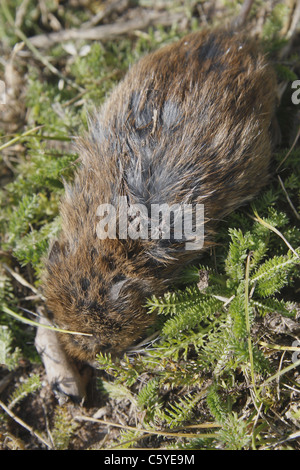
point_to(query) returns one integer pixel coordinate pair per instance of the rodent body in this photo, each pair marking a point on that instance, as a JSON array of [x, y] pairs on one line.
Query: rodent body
[[189, 123]]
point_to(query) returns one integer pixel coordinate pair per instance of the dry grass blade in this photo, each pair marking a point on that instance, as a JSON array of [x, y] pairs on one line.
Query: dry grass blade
[[269, 226], [290, 151], [19, 137], [248, 323], [280, 373], [150, 431], [20, 279], [24, 425], [37, 324]]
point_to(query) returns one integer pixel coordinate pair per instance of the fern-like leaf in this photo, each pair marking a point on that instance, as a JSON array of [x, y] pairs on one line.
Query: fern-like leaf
[[30, 385], [216, 406], [272, 305], [192, 317], [234, 433], [273, 274], [176, 414]]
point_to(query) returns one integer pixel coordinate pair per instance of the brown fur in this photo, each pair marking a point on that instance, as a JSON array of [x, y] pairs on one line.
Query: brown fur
[[189, 123]]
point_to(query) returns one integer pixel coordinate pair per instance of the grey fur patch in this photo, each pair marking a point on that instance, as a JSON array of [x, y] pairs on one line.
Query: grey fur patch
[[171, 114], [116, 289]]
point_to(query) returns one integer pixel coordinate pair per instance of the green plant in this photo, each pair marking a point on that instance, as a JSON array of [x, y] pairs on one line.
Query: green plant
[[30, 385], [63, 428]]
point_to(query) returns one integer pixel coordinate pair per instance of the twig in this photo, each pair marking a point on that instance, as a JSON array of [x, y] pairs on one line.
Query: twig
[[295, 435], [21, 12], [24, 425], [294, 20], [115, 6], [20, 279], [242, 16], [291, 31], [105, 32], [278, 347]]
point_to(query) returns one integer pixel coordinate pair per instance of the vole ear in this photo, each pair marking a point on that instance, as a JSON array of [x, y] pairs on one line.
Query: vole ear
[[57, 250], [116, 289]]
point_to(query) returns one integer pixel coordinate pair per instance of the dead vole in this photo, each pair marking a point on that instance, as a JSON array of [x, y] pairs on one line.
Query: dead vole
[[189, 125]]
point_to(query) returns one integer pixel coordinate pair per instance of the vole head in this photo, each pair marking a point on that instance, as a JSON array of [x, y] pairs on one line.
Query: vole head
[[96, 293]]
